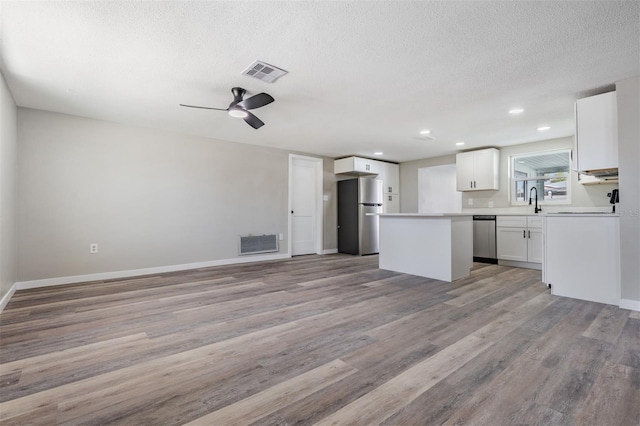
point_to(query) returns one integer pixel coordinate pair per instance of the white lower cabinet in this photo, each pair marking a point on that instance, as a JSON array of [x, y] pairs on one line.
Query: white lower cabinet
[[534, 245], [511, 244], [519, 238]]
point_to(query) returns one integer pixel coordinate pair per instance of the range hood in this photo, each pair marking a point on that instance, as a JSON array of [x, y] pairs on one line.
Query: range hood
[[601, 173]]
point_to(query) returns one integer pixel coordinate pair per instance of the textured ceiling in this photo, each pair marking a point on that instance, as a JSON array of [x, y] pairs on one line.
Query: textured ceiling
[[363, 76]]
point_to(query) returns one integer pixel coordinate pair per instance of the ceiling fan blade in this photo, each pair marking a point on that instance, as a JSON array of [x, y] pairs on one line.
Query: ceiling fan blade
[[201, 107], [256, 101], [253, 121]]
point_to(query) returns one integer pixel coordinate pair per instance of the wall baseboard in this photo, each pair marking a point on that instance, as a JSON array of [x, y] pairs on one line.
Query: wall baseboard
[[24, 285], [632, 305], [330, 251], [519, 264], [7, 297]]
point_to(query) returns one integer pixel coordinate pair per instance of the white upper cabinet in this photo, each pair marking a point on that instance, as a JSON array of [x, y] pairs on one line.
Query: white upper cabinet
[[478, 170], [596, 137], [391, 203], [465, 171], [390, 174], [356, 166]]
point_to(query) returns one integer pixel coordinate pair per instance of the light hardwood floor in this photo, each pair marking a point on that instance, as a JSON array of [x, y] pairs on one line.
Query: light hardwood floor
[[317, 340]]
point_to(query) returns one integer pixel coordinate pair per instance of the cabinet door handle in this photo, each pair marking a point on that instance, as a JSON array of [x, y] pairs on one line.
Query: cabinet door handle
[[529, 234], [471, 184], [524, 234]]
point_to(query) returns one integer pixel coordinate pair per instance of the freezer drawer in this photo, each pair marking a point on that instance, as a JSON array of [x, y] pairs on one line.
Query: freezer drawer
[[369, 229]]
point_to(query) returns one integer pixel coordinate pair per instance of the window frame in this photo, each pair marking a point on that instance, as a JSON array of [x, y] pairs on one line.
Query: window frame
[[512, 179]]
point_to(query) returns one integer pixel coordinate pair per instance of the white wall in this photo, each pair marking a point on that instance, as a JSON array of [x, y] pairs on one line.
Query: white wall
[[147, 198], [628, 98], [8, 191], [437, 190], [581, 195], [409, 180]]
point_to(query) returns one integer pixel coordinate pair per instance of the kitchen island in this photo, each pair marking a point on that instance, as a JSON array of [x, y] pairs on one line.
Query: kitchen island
[[436, 245]]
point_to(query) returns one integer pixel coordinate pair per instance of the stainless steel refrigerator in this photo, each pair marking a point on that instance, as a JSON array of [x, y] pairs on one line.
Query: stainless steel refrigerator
[[357, 232]]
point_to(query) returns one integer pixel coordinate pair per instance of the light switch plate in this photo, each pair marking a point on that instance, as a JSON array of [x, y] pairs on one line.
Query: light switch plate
[[470, 201]]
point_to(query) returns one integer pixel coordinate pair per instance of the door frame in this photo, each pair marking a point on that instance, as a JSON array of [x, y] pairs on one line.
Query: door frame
[[319, 197]]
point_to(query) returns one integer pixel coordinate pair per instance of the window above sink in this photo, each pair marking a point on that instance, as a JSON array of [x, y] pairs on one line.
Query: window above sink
[[547, 171]]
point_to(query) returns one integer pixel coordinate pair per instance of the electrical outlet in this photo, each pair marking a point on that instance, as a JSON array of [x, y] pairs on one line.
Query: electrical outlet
[[470, 201], [490, 204], [93, 248], [281, 237]]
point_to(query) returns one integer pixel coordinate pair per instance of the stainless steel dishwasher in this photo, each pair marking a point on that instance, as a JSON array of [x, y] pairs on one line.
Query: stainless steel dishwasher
[[484, 239]]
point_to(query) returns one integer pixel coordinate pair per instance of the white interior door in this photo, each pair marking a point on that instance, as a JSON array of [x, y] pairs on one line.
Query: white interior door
[[304, 195], [437, 190]]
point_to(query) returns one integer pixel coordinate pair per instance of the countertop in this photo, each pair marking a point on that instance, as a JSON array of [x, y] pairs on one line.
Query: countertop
[[582, 214], [541, 214], [422, 214], [552, 214], [547, 211]]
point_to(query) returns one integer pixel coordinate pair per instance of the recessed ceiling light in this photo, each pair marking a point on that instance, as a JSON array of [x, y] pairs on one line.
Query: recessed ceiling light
[[516, 111], [378, 153], [459, 143], [543, 128], [425, 132]]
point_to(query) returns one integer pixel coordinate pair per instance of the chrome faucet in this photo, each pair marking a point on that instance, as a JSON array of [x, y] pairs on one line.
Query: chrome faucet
[[537, 209]]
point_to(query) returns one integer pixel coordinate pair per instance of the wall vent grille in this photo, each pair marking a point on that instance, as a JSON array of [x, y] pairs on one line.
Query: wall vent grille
[[252, 244], [263, 71]]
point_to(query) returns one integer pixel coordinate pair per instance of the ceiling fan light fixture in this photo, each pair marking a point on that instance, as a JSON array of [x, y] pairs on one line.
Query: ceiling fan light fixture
[[238, 113], [238, 108]]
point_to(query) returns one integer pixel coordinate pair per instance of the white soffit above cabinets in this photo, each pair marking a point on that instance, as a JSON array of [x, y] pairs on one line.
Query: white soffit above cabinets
[[362, 76]]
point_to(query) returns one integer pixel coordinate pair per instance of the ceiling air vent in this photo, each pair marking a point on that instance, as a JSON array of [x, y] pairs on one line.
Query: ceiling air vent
[[263, 71]]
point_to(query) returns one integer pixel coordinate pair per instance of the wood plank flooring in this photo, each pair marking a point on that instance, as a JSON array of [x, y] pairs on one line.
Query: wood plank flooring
[[326, 340]]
